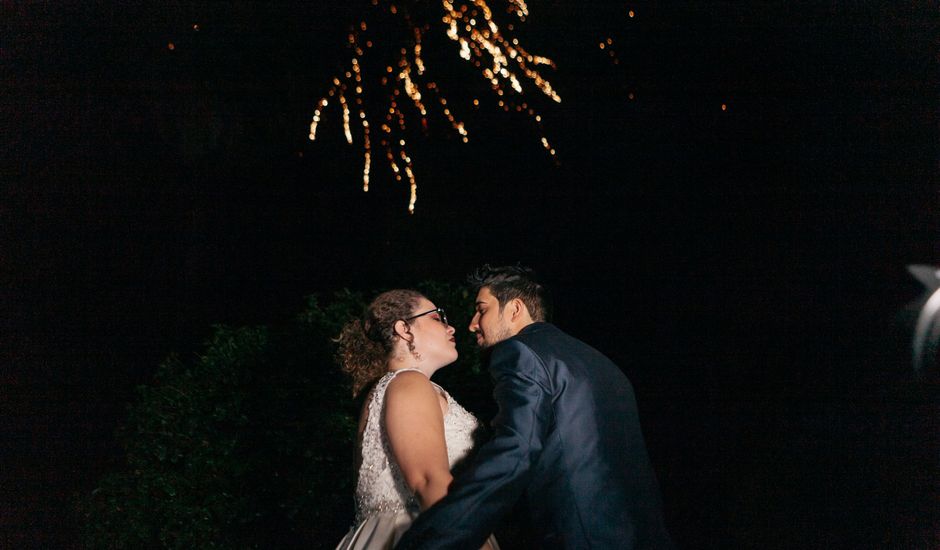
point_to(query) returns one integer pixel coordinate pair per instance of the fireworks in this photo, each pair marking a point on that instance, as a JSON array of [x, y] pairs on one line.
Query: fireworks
[[608, 46], [503, 63]]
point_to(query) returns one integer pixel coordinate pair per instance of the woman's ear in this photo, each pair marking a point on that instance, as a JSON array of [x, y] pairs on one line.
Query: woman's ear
[[403, 331]]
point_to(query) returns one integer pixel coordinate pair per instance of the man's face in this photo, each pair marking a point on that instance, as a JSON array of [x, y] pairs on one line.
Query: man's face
[[488, 323]]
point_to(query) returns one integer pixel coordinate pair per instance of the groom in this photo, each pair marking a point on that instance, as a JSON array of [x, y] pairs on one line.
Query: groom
[[567, 436]]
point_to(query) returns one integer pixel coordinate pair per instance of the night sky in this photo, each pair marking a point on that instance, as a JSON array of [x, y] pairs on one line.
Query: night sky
[[745, 264]]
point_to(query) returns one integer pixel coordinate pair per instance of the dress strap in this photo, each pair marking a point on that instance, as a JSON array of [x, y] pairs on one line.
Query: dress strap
[[394, 373]]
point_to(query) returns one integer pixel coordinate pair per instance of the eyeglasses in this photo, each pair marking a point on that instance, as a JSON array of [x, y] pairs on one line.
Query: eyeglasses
[[437, 310]]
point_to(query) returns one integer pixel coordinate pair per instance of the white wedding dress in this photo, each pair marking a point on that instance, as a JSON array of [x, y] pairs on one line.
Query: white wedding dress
[[385, 506]]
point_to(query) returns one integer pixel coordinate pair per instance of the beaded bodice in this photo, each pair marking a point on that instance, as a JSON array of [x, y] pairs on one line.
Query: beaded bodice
[[381, 486]]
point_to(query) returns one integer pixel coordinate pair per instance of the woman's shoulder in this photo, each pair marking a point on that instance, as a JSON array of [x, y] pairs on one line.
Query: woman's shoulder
[[408, 381], [413, 391]]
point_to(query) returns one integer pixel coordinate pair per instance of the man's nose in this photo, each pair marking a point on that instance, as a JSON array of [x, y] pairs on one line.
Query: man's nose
[[473, 324]]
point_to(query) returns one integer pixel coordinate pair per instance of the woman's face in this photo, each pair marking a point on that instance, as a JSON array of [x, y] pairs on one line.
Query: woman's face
[[433, 338]]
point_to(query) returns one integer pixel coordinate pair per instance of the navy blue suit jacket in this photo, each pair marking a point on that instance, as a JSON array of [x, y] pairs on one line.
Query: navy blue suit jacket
[[567, 435]]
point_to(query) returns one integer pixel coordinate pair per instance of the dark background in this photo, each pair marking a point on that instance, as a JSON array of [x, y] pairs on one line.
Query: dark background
[[744, 266]]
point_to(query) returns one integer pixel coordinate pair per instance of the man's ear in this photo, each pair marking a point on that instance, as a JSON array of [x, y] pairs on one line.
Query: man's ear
[[517, 309]]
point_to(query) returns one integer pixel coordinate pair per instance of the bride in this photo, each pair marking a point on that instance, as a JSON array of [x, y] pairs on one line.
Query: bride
[[411, 432]]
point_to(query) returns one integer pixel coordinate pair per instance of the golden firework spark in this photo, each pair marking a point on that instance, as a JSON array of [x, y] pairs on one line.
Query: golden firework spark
[[502, 62]]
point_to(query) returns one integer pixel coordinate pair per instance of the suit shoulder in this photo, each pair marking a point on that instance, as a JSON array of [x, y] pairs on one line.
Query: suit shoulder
[[514, 347], [545, 339], [517, 356]]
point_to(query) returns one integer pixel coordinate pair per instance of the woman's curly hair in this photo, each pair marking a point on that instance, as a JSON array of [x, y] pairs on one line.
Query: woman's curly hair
[[365, 343]]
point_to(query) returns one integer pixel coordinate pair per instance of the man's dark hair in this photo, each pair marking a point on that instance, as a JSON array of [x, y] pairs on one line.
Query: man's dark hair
[[513, 281]]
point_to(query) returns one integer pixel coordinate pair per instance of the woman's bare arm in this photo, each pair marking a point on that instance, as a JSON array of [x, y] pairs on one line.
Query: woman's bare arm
[[415, 426]]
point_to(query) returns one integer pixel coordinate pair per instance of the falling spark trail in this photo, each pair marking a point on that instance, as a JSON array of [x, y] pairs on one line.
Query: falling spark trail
[[504, 64]]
